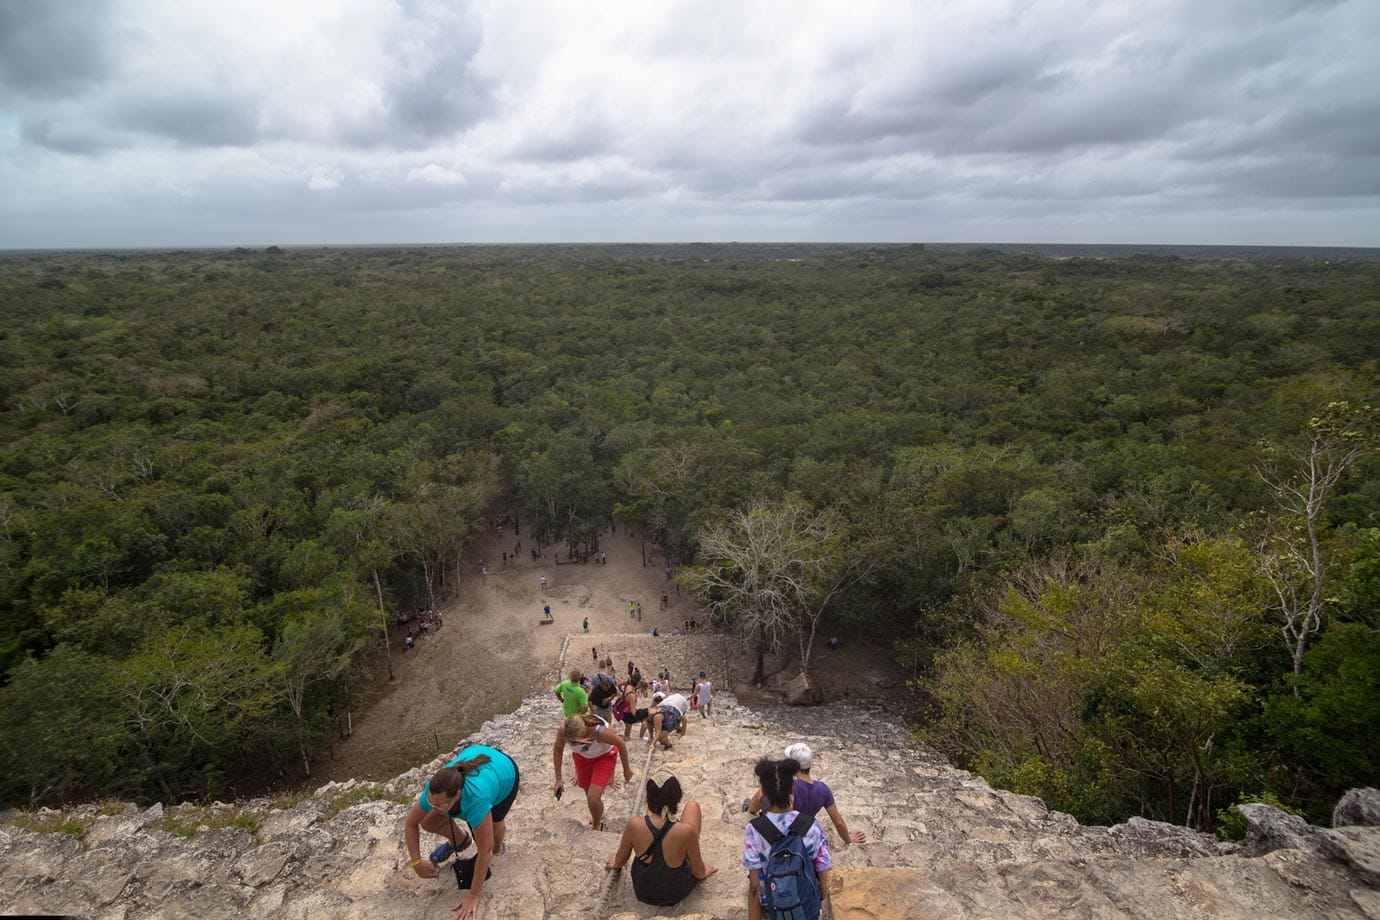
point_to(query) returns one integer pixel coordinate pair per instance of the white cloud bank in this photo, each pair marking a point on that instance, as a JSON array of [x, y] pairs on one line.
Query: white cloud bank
[[159, 122]]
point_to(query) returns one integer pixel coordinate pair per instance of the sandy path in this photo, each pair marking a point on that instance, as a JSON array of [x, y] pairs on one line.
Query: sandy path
[[493, 651]]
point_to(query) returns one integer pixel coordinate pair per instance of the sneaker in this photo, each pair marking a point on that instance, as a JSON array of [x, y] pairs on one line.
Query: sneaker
[[441, 853]]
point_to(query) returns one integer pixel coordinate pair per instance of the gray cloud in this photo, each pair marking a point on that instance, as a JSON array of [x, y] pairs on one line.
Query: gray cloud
[[197, 118], [904, 119], [53, 50]]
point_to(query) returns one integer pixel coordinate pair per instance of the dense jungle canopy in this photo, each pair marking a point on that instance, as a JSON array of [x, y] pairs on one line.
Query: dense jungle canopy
[[1061, 488]]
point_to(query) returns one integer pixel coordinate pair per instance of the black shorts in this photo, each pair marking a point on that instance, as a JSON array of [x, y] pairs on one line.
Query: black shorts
[[499, 811]]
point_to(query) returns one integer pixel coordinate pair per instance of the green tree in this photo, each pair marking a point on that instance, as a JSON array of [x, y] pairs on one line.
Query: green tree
[[316, 645], [188, 701], [60, 735]]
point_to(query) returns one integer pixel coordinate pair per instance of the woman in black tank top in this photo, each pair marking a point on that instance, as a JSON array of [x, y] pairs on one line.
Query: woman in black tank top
[[658, 841]]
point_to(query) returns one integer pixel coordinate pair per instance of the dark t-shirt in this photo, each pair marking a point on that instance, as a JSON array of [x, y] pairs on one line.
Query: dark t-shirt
[[602, 691], [811, 797]]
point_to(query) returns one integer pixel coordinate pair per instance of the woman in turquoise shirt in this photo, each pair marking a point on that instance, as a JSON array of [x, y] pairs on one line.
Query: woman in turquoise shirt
[[479, 785]]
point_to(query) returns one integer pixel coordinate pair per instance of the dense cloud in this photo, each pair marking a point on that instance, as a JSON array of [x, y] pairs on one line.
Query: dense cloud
[[52, 50], [428, 120]]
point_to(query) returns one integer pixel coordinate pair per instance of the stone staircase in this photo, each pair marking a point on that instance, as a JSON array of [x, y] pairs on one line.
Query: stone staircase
[[941, 842]]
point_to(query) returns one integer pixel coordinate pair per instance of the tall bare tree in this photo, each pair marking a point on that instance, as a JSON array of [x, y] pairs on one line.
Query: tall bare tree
[[1302, 479], [772, 570]]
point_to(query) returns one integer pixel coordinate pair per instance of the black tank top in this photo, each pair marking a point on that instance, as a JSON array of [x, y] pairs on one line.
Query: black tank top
[[653, 881]]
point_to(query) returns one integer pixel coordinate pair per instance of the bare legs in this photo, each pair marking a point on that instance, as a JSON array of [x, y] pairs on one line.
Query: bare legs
[[594, 795]]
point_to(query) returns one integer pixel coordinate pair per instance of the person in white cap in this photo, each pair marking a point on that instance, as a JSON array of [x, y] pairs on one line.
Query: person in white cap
[[809, 795], [667, 714]]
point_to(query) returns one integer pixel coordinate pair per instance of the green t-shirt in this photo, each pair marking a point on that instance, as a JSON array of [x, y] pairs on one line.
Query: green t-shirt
[[573, 697]]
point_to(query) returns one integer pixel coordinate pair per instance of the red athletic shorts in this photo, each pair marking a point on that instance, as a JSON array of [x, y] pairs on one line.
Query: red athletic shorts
[[596, 770]]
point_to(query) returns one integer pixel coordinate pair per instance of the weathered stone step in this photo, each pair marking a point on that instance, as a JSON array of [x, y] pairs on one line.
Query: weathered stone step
[[941, 843]]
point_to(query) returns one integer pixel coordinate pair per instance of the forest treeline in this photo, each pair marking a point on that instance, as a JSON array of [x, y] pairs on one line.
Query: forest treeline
[[1067, 491]]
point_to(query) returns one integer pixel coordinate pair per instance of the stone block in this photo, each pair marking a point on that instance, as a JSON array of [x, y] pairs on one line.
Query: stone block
[[1357, 807]]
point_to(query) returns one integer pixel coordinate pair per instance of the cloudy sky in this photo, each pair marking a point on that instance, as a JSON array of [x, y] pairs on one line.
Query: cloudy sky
[[176, 123]]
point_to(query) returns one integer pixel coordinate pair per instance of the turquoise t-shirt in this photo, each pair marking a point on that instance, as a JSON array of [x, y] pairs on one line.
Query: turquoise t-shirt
[[484, 788]]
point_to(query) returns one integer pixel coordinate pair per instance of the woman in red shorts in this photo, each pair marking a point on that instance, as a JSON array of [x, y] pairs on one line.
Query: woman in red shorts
[[594, 748]]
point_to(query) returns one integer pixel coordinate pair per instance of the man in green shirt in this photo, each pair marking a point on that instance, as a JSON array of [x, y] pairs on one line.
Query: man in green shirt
[[572, 695]]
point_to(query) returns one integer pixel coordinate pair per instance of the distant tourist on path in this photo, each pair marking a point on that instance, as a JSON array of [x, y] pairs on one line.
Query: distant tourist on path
[[666, 854], [595, 748], [668, 716], [704, 690], [603, 690], [572, 694], [479, 785], [624, 704]]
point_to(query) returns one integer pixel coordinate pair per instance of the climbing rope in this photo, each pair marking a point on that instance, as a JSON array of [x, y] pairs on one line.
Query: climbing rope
[[611, 878]]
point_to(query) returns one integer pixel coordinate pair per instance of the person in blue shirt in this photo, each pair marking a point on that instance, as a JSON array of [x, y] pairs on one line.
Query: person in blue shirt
[[479, 785]]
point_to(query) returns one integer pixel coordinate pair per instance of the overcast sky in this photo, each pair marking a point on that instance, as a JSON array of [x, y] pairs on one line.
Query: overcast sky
[[179, 123]]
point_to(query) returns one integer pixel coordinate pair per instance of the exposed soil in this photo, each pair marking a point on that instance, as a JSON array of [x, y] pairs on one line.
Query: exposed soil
[[493, 651]]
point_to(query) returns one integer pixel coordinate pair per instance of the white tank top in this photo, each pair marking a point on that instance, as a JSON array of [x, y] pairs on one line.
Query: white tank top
[[593, 749]]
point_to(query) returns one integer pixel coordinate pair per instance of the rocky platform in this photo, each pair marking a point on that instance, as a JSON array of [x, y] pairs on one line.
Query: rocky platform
[[941, 842]]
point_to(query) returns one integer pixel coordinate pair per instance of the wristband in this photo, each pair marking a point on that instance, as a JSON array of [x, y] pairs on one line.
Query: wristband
[[416, 861]]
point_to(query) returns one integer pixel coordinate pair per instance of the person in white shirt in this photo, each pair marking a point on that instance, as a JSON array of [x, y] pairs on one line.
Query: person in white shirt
[[668, 716], [704, 692], [595, 749]]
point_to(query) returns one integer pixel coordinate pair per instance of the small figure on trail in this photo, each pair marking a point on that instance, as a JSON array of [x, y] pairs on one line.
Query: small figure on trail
[[546, 612], [768, 835], [667, 716], [595, 748], [603, 690], [542, 583], [572, 694], [667, 863], [586, 625], [704, 691], [478, 785], [809, 795], [636, 717], [624, 703], [632, 609], [407, 642]]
